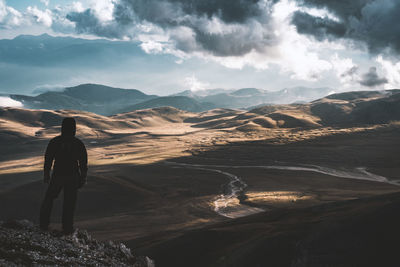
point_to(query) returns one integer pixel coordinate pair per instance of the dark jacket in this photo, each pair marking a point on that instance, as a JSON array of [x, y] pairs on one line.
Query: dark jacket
[[69, 156]]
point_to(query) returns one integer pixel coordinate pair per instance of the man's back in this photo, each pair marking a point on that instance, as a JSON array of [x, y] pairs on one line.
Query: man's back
[[69, 155]]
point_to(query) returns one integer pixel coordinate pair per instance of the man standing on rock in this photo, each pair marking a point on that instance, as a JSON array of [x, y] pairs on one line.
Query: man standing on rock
[[69, 174]]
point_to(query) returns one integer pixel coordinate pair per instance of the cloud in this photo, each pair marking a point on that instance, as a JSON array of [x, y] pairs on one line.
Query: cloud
[[40, 16], [88, 22], [221, 28], [9, 17], [236, 34], [103, 9], [34, 20], [159, 11], [8, 102], [392, 72], [320, 28], [346, 70], [262, 34], [48, 88], [194, 84], [369, 22], [372, 79]]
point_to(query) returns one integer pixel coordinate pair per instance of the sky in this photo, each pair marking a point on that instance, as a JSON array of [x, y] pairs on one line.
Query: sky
[[194, 45]]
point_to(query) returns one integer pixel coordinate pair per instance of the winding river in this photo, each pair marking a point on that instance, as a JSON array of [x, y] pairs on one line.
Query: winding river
[[228, 203]]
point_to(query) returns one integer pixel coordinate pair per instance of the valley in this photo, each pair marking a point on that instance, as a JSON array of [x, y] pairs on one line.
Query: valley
[[162, 178]]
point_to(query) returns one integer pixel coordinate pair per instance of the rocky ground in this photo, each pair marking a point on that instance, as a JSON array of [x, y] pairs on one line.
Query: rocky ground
[[23, 243]]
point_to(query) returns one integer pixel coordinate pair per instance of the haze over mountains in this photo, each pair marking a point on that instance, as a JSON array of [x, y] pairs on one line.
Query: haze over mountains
[[108, 100], [48, 62]]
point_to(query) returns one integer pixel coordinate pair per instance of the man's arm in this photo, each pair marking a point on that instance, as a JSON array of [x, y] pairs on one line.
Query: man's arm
[[83, 159], [48, 160]]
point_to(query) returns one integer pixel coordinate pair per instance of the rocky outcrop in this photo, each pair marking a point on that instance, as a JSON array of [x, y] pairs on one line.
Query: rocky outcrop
[[23, 243]]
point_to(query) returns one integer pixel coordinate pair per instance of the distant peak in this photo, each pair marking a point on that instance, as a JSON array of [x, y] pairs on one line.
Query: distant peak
[[43, 36]]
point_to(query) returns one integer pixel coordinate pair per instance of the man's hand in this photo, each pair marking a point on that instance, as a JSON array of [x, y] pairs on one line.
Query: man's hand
[[46, 178]]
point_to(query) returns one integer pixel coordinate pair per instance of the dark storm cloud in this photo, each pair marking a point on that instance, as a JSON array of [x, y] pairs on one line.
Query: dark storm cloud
[[342, 9], [87, 22], [228, 10], [372, 79], [373, 22], [246, 24], [318, 27]]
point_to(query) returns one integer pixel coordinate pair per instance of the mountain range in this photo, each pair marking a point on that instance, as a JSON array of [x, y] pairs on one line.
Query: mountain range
[[87, 97], [107, 100]]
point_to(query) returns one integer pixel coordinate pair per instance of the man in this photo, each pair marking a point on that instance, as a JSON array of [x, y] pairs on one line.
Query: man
[[69, 174]]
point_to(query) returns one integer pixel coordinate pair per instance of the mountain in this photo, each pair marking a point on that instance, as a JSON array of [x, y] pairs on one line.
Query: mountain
[[251, 97], [106, 100], [188, 93], [95, 98], [179, 102], [248, 92]]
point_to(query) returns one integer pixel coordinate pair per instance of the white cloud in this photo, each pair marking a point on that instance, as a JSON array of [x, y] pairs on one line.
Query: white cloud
[[345, 69], [319, 12], [77, 7], [152, 47], [194, 84], [103, 9], [391, 71], [40, 16], [9, 17], [8, 102]]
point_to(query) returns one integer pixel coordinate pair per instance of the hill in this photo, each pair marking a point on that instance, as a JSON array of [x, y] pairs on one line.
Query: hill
[[365, 107], [17, 123], [361, 108]]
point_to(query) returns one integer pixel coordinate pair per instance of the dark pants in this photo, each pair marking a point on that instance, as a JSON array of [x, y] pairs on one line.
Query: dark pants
[[70, 186]]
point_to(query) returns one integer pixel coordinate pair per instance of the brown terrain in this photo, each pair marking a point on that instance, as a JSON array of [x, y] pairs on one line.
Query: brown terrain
[[282, 185]]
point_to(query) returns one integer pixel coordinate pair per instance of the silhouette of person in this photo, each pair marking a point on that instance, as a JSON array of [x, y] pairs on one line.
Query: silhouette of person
[[69, 174]]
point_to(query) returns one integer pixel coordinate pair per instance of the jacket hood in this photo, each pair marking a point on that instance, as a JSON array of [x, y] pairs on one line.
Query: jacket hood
[[68, 127]]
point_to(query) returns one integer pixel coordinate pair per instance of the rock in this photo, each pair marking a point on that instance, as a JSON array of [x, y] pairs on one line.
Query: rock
[[23, 243]]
